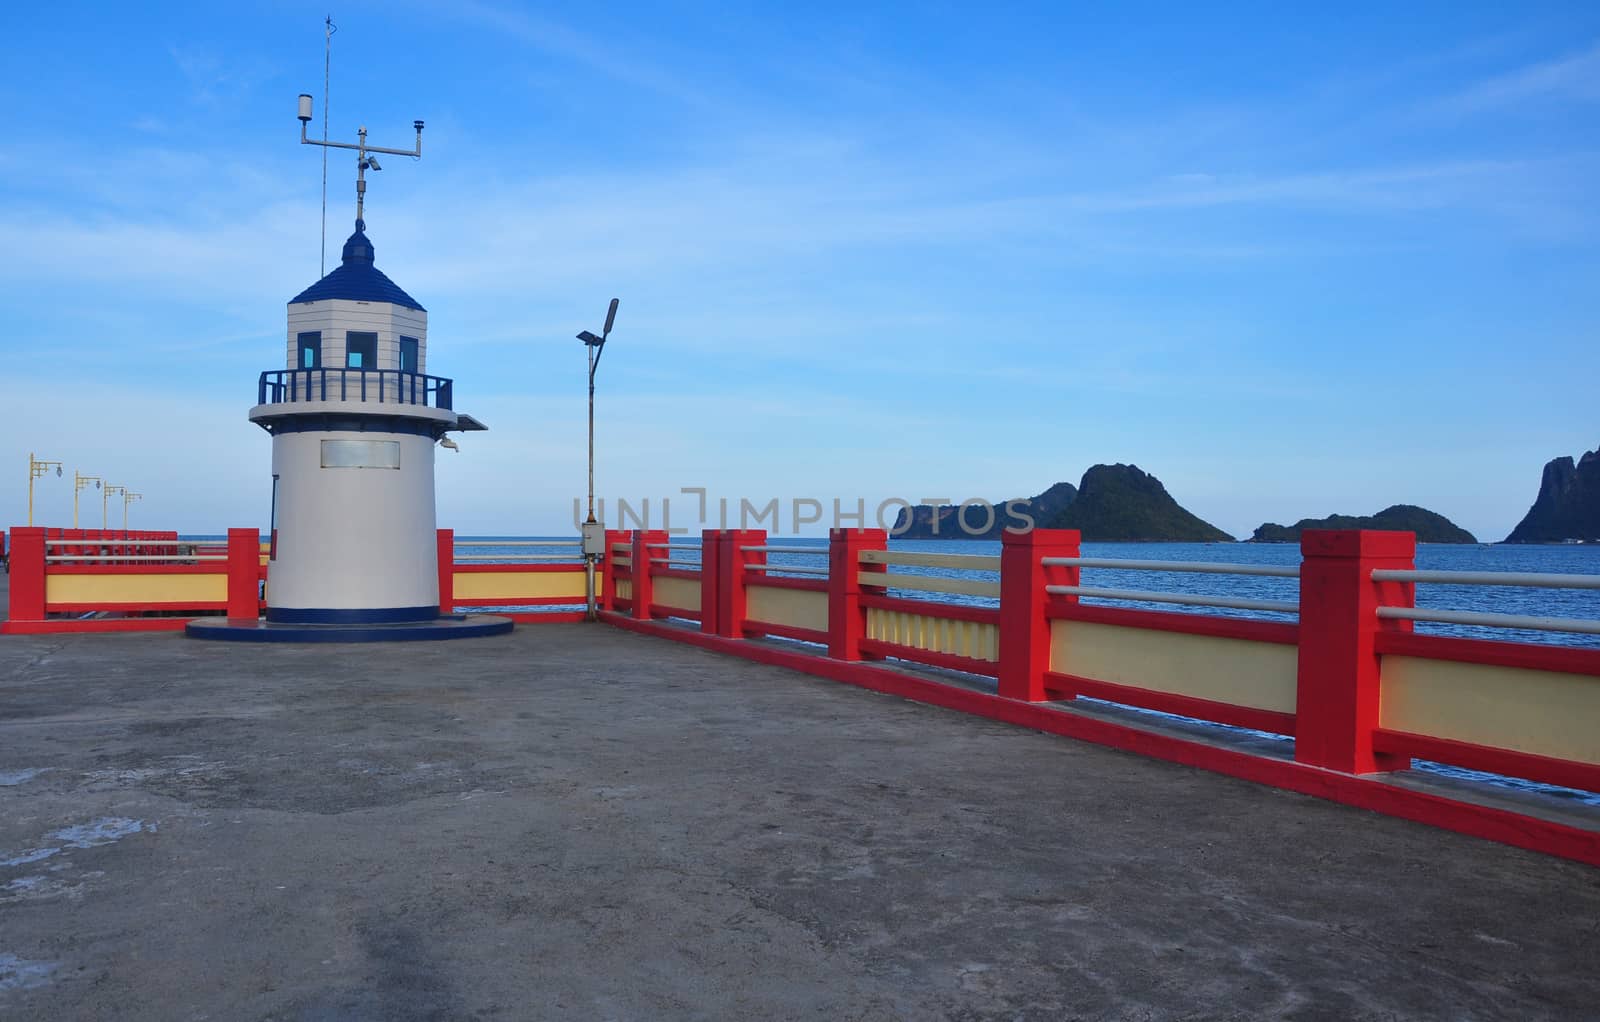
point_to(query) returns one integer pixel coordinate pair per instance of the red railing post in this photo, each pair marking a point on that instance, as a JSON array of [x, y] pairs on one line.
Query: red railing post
[[446, 545], [733, 595], [711, 581], [1337, 700], [27, 574], [847, 618], [643, 570], [608, 567], [244, 574], [1024, 626]]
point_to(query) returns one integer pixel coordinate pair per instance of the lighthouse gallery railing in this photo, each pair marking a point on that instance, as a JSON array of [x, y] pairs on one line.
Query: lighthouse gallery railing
[[389, 386]]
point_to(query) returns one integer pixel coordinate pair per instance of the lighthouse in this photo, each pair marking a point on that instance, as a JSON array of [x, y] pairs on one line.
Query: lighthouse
[[355, 418]]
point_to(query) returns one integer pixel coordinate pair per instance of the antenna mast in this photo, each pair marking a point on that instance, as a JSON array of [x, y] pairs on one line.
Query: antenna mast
[[329, 28]]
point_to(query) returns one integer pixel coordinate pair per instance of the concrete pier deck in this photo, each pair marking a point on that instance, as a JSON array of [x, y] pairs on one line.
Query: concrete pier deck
[[575, 822]]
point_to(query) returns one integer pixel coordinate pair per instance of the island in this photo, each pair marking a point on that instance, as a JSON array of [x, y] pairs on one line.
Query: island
[[941, 521], [1429, 526], [1124, 504], [1112, 503], [1567, 509]]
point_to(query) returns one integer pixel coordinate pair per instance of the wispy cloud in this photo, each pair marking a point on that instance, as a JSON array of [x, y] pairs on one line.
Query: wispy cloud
[[1571, 78], [610, 57], [216, 77]]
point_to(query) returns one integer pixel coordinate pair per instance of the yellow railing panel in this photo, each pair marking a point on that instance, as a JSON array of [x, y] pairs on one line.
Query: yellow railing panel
[[1241, 672], [153, 588], [796, 608], [972, 639], [513, 586], [1545, 713], [677, 592]]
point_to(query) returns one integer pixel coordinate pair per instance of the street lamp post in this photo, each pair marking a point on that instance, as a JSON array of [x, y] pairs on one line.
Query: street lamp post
[[105, 498], [37, 470], [128, 498], [594, 532], [79, 484]]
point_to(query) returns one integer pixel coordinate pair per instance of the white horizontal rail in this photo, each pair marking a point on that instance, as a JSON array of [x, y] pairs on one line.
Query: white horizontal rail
[[1473, 617], [119, 558], [516, 542], [1185, 599], [929, 583], [692, 565], [1203, 567], [949, 562], [823, 551], [793, 568], [521, 558], [1489, 578]]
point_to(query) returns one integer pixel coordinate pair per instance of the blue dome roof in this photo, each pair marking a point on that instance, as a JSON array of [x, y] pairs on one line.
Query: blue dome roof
[[356, 279]]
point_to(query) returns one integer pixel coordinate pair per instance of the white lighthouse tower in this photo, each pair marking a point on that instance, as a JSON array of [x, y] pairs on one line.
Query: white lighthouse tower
[[354, 420], [355, 417]]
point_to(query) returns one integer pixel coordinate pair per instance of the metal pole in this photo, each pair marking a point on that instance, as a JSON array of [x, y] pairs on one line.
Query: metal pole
[[591, 612], [37, 468], [361, 179], [327, 64], [591, 435], [78, 482]]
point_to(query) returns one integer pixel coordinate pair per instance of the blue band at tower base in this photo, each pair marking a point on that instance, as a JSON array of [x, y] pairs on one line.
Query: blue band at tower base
[[379, 616]]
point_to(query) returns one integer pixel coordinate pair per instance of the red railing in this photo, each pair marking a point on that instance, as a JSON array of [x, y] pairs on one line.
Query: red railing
[[1358, 692], [62, 580], [1321, 679]]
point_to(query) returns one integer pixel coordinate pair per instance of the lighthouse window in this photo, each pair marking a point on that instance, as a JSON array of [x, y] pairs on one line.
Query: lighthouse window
[[408, 354], [311, 349], [360, 454], [361, 350]]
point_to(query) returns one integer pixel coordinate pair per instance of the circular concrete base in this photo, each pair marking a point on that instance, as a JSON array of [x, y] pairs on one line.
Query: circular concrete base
[[458, 626]]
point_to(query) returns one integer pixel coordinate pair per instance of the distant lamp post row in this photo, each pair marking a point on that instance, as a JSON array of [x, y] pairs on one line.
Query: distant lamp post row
[[38, 469]]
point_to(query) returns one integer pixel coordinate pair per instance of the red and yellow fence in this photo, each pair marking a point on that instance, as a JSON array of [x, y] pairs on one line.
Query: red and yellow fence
[[523, 589], [93, 581], [82, 580], [1360, 693]]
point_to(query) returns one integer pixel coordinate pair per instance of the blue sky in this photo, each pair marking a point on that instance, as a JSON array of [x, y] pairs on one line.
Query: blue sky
[[1290, 261]]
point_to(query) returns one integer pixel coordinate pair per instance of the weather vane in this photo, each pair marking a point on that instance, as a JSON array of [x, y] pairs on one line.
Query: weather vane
[[365, 160]]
